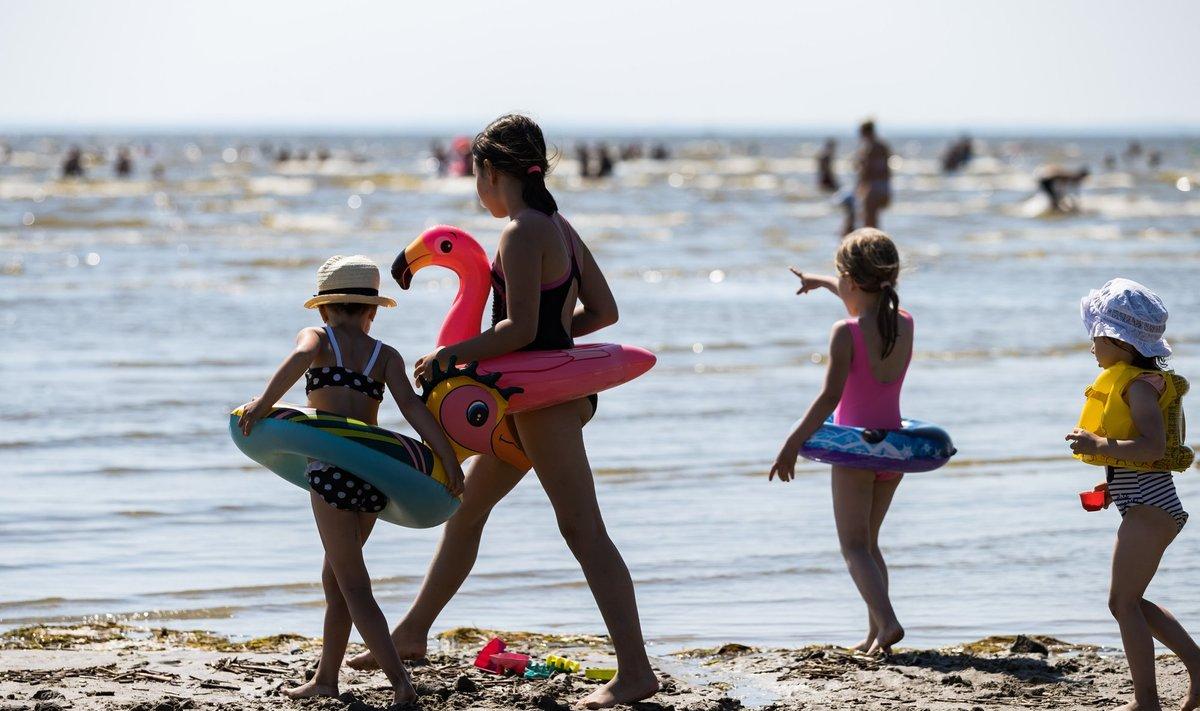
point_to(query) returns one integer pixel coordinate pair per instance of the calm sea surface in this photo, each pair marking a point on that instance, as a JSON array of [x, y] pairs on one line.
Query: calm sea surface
[[135, 313]]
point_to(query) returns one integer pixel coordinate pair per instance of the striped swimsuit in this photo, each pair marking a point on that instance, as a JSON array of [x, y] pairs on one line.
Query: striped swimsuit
[[1129, 487]]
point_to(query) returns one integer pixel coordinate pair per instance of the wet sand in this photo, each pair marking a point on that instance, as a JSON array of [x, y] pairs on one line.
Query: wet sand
[[112, 666]]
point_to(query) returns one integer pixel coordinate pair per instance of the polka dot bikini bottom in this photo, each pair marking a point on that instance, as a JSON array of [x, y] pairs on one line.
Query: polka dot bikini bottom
[[342, 490]]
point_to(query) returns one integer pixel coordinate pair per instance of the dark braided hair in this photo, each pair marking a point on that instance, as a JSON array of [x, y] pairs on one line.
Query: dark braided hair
[[513, 144], [869, 257]]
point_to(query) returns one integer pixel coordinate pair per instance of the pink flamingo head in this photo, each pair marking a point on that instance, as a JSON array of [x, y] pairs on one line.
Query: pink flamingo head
[[441, 246], [456, 250]]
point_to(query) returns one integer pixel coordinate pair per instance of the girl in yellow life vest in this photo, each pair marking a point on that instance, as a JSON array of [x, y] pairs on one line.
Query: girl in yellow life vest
[[1132, 424]]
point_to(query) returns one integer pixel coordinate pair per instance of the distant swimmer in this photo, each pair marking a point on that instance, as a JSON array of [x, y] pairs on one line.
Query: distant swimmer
[[873, 192], [1061, 186], [1133, 151], [827, 181], [604, 161], [441, 161], [72, 167], [958, 154], [461, 163], [124, 165], [584, 160]]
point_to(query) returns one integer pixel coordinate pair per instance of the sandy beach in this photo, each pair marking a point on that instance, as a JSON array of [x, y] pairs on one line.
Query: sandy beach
[[113, 666]]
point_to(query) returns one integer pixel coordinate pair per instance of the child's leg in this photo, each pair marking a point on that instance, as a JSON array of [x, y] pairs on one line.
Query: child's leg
[[336, 630], [488, 480], [343, 541], [853, 501], [885, 489], [1166, 629], [1145, 533]]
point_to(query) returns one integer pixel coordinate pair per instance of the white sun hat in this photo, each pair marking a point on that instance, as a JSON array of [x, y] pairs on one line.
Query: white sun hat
[[1126, 310], [348, 280]]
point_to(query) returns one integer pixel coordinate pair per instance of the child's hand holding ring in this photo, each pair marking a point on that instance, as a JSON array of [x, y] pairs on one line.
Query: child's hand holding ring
[[252, 412], [424, 367]]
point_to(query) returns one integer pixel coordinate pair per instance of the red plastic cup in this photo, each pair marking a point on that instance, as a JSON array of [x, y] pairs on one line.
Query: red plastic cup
[[1091, 500], [510, 662]]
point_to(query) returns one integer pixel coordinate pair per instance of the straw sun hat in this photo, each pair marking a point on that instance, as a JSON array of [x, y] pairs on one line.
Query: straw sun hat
[[348, 280]]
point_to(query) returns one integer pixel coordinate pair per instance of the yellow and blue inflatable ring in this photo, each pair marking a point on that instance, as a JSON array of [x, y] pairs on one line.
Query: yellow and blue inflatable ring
[[405, 470]]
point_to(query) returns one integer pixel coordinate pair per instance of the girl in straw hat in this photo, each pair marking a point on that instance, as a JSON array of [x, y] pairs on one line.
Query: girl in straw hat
[[346, 372]]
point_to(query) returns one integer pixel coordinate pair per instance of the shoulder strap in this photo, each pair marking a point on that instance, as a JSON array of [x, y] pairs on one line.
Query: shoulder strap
[[337, 352], [374, 356], [569, 235], [859, 349]]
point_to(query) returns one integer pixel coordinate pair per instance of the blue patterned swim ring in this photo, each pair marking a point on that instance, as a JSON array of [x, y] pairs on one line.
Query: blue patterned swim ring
[[916, 447]]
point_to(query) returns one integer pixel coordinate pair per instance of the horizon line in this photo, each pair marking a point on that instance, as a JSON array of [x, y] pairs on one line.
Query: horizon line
[[671, 129]]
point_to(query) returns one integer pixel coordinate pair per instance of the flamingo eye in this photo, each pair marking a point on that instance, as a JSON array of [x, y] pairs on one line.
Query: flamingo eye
[[477, 413], [445, 246]]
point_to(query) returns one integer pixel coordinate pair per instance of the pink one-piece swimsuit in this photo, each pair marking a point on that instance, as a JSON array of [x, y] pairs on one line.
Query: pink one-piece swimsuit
[[866, 402]]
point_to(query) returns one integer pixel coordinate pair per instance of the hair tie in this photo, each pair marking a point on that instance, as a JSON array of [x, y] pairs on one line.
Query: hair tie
[[885, 285], [534, 169]]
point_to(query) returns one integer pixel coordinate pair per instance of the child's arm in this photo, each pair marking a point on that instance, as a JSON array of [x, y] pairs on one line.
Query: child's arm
[[808, 282], [1151, 442], [841, 348], [597, 306], [522, 259], [308, 346], [422, 421]]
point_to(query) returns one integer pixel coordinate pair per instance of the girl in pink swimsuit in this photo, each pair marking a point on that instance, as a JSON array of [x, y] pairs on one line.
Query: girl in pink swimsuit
[[868, 357]]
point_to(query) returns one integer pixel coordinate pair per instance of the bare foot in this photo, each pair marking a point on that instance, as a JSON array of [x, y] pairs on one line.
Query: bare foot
[[409, 647], [311, 689], [885, 639], [1192, 700], [404, 694], [1135, 706], [621, 691], [864, 645]]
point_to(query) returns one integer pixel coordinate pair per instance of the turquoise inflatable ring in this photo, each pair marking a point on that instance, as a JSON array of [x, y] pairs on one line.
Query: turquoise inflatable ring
[[405, 470]]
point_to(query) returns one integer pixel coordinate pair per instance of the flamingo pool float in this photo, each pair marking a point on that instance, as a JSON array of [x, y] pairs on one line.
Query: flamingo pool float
[[471, 403]]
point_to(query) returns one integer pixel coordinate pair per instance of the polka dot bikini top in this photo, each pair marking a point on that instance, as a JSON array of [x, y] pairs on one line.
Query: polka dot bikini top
[[341, 377]]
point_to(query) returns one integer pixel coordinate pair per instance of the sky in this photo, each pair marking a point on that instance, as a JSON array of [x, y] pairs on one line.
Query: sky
[[706, 64]]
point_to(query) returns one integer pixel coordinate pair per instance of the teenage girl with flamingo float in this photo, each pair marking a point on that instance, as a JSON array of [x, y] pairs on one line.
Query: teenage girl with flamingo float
[[868, 358], [542, 269]]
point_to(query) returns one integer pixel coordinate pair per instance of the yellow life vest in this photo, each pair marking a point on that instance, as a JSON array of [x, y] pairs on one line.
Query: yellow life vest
[[1106, 414]]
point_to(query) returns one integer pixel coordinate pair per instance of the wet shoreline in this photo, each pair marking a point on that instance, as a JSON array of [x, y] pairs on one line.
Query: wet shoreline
[[109, 666]]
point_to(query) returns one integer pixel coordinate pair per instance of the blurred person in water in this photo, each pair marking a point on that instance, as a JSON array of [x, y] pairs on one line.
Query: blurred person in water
[[72, 166], [827, 181], [123, 167], [873, 192], [1061, 186]]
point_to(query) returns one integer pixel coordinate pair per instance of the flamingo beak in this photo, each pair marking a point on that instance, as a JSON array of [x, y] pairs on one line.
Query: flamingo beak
[[414, 257]]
